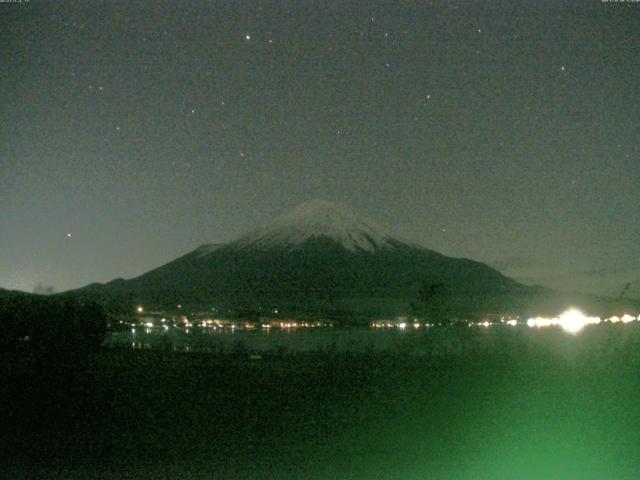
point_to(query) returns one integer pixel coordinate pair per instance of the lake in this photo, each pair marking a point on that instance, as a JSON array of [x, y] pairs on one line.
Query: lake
[[453, 403], [420, 342]]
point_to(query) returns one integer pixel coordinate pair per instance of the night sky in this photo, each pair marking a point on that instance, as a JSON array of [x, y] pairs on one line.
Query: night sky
[[132, 132]]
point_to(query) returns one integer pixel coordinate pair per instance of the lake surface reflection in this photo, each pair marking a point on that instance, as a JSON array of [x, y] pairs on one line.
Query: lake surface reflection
[[334, 340], [301, 340], [431, 342]]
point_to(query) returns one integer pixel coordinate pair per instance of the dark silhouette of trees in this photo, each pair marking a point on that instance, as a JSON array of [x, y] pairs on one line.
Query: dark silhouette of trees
[[49, 327], [41, 289], [431, 302], [49, 390]]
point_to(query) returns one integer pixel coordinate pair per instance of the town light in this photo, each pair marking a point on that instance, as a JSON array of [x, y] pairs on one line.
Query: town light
[[571, 321]]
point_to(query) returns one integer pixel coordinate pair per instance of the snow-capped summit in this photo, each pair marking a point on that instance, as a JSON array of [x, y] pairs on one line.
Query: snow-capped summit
[[318, 219]]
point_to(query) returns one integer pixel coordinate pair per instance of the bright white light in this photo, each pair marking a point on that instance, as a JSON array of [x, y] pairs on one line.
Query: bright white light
[[402, 325], [512, 323], [140, 309], [571, 321], [149, 324], [626, 318]]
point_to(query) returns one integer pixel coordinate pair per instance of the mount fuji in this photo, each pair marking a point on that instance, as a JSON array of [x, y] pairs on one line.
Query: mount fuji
[[319, 219], [318, 258]]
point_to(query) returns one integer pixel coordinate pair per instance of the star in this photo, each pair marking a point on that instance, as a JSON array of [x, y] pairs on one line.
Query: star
[[562, 68], [68, 235], [247, 37]]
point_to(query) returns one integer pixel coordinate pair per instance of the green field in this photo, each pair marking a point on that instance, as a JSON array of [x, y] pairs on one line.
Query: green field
[[542, 408]]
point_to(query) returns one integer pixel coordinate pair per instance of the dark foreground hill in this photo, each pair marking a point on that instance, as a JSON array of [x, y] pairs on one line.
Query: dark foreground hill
[[49, 327], [513, 403]]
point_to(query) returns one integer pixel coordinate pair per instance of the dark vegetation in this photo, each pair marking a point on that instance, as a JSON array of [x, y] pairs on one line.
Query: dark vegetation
[[501, 408], [43, 328], [47, 385]]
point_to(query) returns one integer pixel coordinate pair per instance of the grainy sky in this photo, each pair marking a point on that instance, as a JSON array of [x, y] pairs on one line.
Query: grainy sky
[[503, 131]]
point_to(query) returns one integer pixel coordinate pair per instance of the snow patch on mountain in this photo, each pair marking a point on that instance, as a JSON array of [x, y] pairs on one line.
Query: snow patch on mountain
[[317, 219]]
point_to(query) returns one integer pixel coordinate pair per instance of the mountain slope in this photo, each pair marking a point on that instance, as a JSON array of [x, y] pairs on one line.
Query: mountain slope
[[314, 220], [318, 256]]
